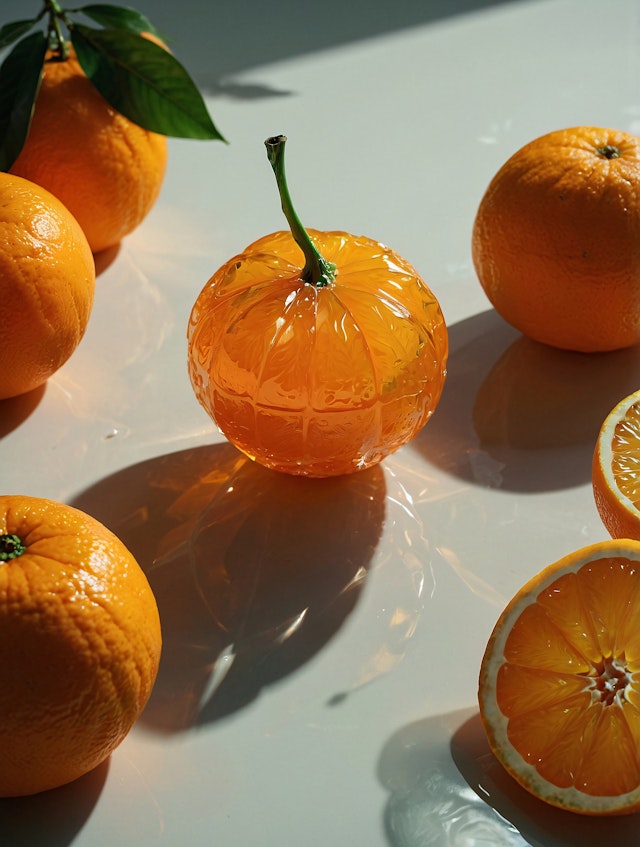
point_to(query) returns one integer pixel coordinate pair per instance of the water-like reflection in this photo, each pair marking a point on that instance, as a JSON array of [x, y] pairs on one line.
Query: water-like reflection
[[538, 823], [429, 804], [447, 789], [253, 571]]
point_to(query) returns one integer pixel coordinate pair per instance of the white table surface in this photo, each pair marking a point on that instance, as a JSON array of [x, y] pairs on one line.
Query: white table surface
[[355, 723]]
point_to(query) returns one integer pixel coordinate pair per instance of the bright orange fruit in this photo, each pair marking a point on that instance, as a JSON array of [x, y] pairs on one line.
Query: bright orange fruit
[[559, 688], [107, 170], [317, 375], [616, 469], [47, 282], [81, 644], [556, 239]]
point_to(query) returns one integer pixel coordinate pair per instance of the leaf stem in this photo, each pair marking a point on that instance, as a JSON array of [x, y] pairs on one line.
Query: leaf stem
[[317, 270], [57, 42]]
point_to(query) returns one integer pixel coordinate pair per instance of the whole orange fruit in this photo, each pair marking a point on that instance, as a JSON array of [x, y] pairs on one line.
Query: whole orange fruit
[[81, 643], [559, 687], [317, 353], [107, 170], [556, 239], [616, 469], [47, 283]]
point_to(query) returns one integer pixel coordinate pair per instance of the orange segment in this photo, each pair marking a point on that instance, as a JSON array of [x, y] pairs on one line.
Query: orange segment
[[616, 469], [551, 739], [535, 641], [524, 690], [610, 733], [559, 687], [625, 447]]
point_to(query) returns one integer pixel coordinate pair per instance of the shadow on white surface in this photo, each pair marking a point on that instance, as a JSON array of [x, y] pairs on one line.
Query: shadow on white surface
[[15, 410], [519, 415], [250, 583], [53, 817], [106, 257], [217, 40]]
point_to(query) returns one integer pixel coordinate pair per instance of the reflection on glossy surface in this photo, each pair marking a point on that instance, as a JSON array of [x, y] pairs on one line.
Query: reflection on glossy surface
[[317, 380], [538, 823], [465, 524], [536, 397], [518, 415], [429, 804], [253, 571]]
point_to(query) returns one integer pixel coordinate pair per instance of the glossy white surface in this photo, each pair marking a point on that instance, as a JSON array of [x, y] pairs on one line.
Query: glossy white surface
[[340, 707]]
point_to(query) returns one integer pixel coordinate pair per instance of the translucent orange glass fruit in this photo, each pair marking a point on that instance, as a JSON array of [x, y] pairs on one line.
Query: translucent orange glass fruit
[[317, 353]]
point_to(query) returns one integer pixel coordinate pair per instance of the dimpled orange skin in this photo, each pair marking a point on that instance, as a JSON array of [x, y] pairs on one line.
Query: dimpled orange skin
[[317, 381], [107, 170], [81, 645], [556, 239], [47, 284]]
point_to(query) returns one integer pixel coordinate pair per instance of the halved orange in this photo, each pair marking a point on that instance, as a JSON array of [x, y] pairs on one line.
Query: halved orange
[[559, 688], [616, 469]]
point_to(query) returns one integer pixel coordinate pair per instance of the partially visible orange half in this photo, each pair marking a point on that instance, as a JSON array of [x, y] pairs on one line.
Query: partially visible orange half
[[559, 687], [616, 469]]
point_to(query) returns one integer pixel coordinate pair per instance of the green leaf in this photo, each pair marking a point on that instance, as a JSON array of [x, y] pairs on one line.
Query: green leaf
[[20, 76], [13, 31], [118, 17], [144, 82]]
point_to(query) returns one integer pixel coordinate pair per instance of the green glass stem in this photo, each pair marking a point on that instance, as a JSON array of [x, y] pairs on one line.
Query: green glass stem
[[317, 270]]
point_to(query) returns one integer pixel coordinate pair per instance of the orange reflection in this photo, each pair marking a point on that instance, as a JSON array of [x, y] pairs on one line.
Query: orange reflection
[[537, 397], [519, 415]]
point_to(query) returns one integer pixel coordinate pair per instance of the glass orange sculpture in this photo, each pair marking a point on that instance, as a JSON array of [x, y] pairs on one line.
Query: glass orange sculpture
[[316, 353]]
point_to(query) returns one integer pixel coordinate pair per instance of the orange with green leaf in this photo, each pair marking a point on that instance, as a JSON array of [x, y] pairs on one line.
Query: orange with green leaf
[[317, 353], [87, 116]]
